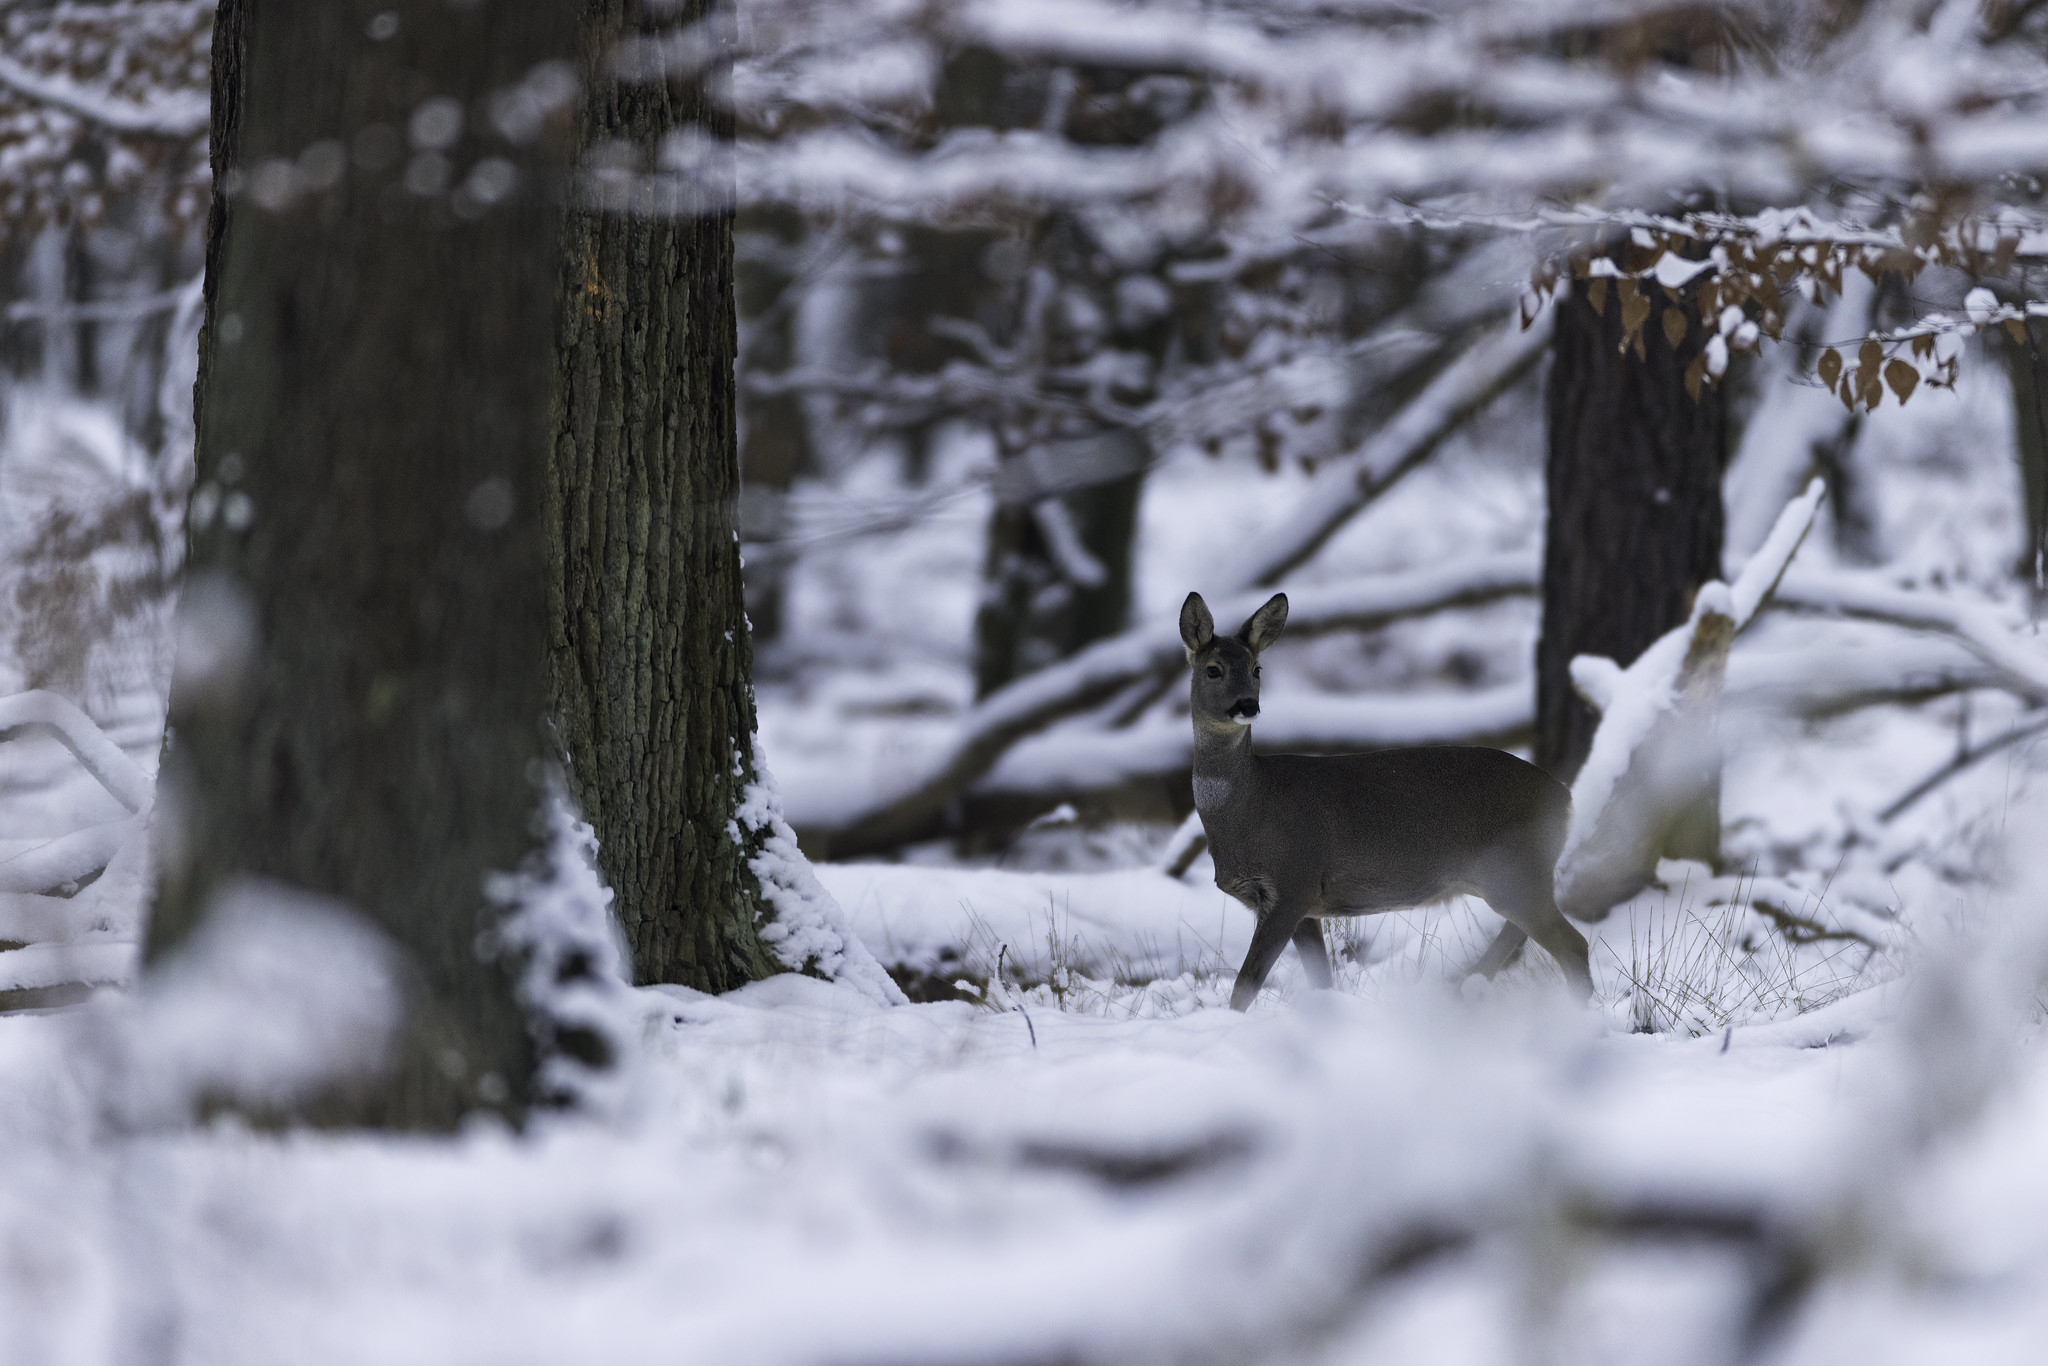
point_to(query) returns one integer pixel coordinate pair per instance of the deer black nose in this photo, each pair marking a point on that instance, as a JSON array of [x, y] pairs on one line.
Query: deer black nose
[[1244, 706]]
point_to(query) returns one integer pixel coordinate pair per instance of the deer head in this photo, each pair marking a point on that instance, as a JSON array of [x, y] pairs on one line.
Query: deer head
[[1225, 669]]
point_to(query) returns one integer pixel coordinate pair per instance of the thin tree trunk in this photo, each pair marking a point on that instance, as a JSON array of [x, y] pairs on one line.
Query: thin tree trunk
[[648, 656], [2029, 378], [372, 406], [1634, 522], [775, 442], [1043, 600]]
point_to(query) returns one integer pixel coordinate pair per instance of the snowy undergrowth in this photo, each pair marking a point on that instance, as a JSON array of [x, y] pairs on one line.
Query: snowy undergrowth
[[804, 1176]]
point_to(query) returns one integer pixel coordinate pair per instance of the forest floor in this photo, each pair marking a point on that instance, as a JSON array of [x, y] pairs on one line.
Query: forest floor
[[1799, 1122]]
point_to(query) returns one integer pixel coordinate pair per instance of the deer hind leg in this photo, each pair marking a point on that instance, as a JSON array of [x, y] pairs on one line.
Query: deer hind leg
[[1531, 910], [1315, 958], [1506, 948], [1269, 941]]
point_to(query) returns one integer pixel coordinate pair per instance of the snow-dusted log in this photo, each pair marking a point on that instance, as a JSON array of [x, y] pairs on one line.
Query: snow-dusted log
[[41, 710], [1000, 720], [1343, 488], [1650, 787]]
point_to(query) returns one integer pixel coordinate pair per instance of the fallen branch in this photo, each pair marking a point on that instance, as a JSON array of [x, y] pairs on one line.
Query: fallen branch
[[1099, 671], [69, 858], [1074, 763], [105, 760], [1650, 786]]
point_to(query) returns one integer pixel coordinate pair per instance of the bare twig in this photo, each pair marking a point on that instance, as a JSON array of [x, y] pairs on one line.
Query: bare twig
[[1343, 488], [1965, 760]]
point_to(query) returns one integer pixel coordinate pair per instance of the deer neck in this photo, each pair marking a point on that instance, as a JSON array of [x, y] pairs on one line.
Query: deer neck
[[1223, 765]]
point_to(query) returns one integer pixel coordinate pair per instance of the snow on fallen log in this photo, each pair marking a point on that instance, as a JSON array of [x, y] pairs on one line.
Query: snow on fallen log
[[956, 922], [1650, 786], [1032, 702]]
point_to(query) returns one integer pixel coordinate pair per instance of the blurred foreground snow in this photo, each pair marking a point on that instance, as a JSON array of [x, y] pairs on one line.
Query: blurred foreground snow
[[801, 1175]]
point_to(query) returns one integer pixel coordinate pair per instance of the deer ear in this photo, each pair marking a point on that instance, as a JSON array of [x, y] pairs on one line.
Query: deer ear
[[1197, 627], [1263, 627]]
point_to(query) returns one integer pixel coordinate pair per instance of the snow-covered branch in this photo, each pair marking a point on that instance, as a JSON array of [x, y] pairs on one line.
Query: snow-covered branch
[[178, 115], [101, 757], [1343, 488], [2018, 666]]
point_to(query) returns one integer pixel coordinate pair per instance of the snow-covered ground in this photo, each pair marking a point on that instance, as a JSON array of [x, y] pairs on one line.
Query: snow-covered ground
[[798, 1175], [1799, 1123]]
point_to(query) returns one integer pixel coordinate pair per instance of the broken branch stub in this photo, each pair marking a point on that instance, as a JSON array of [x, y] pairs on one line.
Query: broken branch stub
[[1651, 786]]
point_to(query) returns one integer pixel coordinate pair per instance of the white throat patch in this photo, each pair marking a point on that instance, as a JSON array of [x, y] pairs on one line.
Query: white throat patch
[[1211, 793]]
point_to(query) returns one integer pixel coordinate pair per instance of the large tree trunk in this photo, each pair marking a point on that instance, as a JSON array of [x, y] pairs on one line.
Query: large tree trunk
[[648, 655], [372, 408], [1634, 522]]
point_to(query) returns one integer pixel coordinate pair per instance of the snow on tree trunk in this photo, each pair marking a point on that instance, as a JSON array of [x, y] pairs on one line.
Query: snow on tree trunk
[[804, 928]]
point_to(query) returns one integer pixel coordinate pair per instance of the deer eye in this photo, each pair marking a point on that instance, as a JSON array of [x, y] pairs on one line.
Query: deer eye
[[1255, 671], [1215, 672]]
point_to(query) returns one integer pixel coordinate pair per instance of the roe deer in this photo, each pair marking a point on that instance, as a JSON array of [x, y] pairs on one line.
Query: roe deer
[[1298, 837]]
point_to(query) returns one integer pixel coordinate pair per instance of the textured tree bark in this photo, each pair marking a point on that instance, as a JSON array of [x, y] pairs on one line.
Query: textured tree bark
[[371, 410], [1634, 522], [648, 655]]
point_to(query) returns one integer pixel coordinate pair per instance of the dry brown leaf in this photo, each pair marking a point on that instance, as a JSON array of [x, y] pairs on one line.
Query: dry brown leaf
[[1674, 327], [1903, 378]]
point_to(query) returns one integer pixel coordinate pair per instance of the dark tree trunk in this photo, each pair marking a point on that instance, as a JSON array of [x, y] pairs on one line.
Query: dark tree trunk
[[775, 442], [648, 656], [1634, 522], [1041, 603], [2028, 374], [372, 410]]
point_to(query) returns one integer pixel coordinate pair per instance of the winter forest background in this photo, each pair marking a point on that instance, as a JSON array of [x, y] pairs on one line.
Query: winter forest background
[[406, 953]]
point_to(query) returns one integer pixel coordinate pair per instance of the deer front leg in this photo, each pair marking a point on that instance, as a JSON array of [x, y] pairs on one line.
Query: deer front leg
[[1269, 941]]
